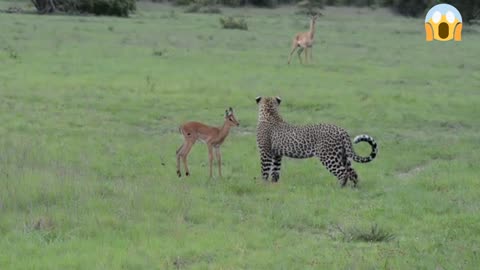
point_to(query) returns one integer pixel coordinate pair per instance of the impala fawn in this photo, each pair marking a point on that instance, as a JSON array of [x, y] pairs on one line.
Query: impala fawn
[[212, 136], [304, 41]]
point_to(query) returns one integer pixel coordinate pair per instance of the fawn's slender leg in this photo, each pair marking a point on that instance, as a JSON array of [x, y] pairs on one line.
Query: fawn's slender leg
[[294, 47], [219, 159], [186, 151], [210, 158], [299, 52], [179, 152]]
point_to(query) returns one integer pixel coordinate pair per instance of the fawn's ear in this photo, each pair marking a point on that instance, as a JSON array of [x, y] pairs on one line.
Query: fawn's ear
[[230, 109], [279, 100], [258, 99], [226, 113]]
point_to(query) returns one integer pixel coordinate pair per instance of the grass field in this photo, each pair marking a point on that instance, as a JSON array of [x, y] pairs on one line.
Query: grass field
[[89, 111]]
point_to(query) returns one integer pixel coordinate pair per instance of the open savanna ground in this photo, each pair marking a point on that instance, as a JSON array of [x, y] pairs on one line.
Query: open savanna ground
[[90, 109]]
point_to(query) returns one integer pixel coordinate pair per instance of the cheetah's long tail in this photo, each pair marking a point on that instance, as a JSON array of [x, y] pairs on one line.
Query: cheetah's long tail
[[373, 144]]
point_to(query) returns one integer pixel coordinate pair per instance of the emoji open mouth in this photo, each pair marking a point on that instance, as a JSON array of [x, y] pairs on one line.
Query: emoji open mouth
[[443, 22], [443, 30]]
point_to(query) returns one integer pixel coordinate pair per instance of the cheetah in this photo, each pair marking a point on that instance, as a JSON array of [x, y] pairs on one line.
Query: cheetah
[[330, 143]]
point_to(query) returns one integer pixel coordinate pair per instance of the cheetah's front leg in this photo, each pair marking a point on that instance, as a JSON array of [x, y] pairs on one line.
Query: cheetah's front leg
[[266, 162], [277, 163]]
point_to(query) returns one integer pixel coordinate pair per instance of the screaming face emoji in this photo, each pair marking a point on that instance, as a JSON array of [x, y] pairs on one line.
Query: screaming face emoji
[[443, 22]]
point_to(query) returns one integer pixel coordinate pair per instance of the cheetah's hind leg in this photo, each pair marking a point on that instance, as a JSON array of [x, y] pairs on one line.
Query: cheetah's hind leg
[[351, 173], [335, 162]]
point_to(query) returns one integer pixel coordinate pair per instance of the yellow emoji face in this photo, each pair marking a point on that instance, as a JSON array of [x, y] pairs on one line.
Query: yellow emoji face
[[443, 22]]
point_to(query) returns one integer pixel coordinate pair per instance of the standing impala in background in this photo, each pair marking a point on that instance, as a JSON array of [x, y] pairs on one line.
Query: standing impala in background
[[304, 41], [212, 136]]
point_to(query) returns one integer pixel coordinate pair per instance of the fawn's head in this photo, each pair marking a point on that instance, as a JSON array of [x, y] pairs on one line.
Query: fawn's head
[[314, 16], [230, 118]]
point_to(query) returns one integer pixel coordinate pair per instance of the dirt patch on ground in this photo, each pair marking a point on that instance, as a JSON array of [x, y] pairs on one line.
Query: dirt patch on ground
[[245, 133], [412, 171]]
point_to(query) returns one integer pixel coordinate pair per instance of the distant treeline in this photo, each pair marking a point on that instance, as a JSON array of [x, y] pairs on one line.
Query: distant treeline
[[470, 9]]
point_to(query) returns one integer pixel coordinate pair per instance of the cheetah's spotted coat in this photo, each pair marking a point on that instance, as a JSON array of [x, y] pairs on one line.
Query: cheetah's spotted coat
[[331, 144]]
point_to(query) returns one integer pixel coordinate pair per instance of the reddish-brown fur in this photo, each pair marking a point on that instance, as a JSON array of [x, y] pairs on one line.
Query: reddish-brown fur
[[213, 137], [304, 41]]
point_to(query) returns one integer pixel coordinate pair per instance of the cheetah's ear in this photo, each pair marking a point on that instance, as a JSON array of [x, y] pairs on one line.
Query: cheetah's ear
[[258, 99], [279, 100]]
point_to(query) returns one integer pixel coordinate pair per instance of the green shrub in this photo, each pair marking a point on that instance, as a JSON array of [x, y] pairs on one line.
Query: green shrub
[[211, 10], [183, 2], [232, 3], [357, 3], [109, 7], [203, 6], [469, 9], [120, 8], [232, 23], [196, 8], [193, 8], [412, 8], [309, 7], [264, 3], [372, 234]]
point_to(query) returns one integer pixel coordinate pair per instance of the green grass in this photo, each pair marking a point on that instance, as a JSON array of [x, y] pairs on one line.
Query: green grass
[[89, 111]]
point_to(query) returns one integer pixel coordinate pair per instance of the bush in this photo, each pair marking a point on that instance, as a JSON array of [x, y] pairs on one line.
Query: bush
[[203, 6], [309, 7], [211, 10], [193, 8], [412, 8], [470, 9], [120, 8], [372, 234], [232, 3], [108, 7], [232, 23], [357, 3], [183, 2], [264, 3], [196, 8]]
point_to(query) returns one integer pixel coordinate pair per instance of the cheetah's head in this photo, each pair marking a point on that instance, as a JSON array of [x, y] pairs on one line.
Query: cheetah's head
[[268, 106]]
